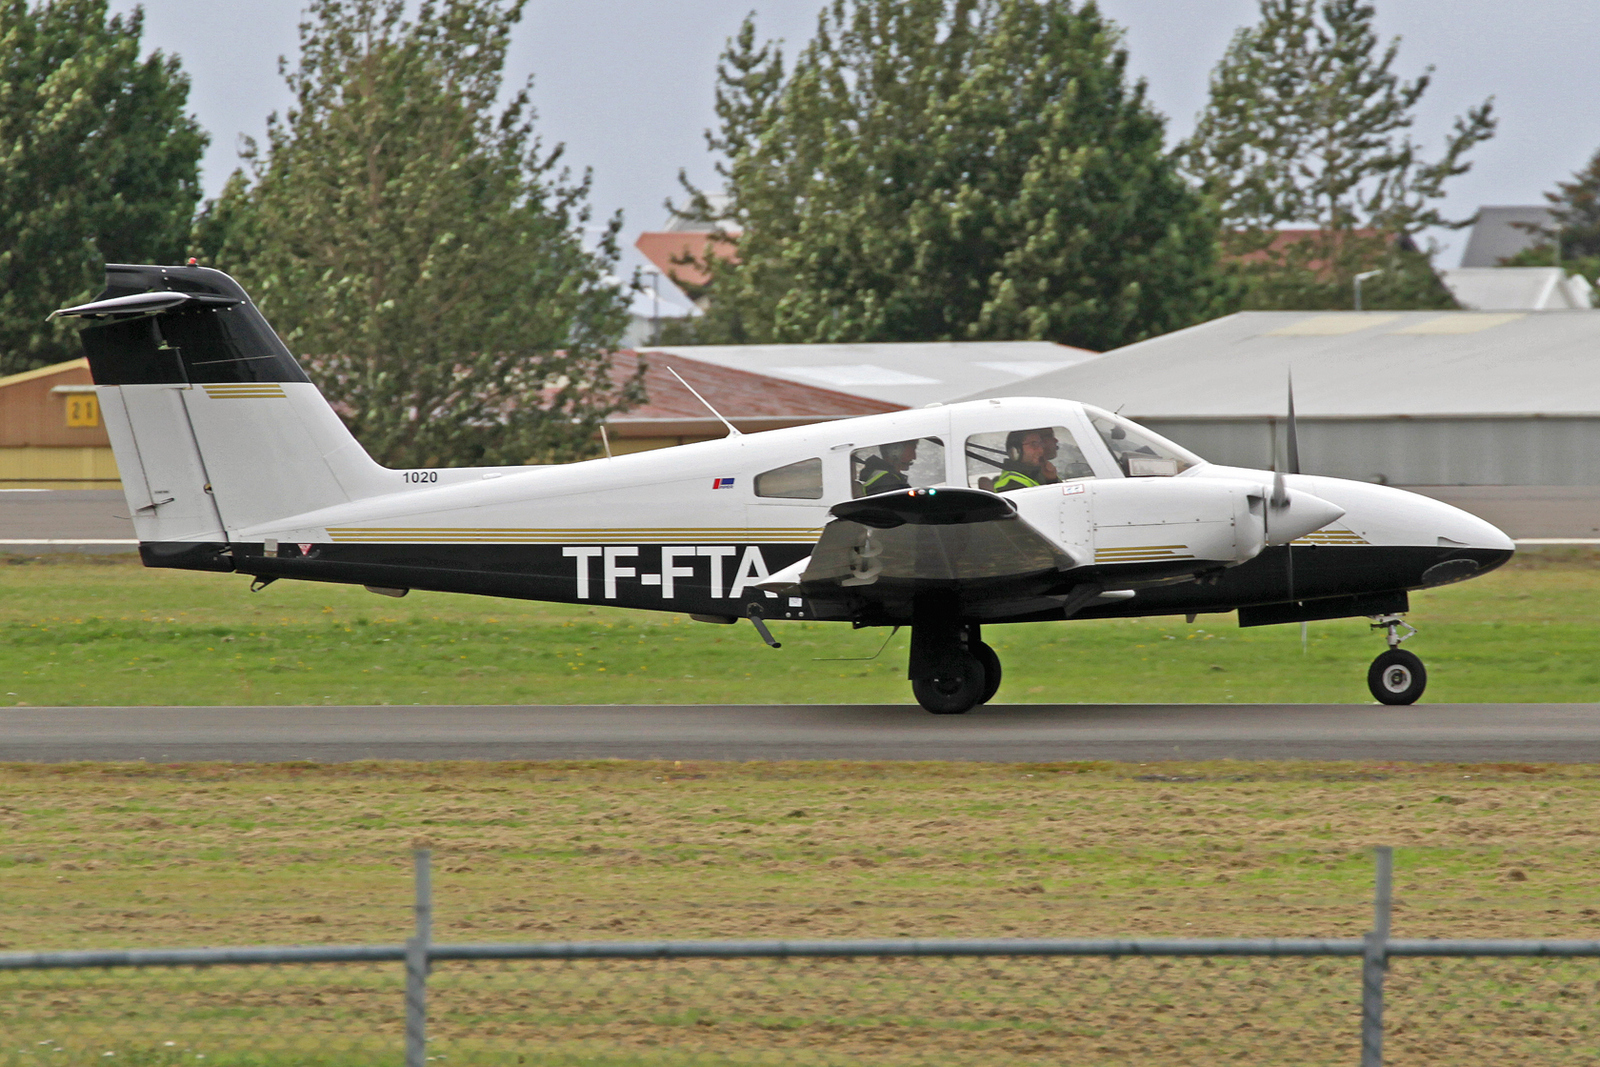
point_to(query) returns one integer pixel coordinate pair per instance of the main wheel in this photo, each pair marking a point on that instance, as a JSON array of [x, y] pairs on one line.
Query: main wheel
[[1397, 677], [990, 662], [956, 689]]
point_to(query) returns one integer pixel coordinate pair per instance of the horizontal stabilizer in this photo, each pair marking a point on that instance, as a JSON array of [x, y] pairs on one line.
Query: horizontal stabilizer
[[925, 507], [145, 304]]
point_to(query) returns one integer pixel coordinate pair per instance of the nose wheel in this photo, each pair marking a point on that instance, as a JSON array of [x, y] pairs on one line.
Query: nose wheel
[[1396, 676]]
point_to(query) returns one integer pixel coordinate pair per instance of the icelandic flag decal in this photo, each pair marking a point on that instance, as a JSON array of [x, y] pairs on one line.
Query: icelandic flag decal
[[722, 483]]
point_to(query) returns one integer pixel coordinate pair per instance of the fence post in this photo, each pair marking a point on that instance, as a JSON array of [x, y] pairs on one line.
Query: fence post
[[1375, 961], [417, 963]]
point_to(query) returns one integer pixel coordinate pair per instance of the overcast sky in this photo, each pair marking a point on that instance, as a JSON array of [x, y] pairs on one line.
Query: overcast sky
[[627, 84]]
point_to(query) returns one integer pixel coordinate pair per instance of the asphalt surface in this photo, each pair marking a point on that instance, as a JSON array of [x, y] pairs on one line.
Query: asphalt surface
[[1472, 733]]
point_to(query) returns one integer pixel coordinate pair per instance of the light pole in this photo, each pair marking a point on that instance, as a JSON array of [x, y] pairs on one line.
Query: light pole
[[655, 306], [1359, 278]]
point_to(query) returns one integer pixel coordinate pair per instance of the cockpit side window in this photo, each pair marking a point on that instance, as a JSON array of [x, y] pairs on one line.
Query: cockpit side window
[[897, 465], [1016, 459], [1140, 453], [797, 481]]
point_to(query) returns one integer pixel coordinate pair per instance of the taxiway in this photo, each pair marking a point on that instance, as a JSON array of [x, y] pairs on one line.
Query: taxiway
[[1471, 733]]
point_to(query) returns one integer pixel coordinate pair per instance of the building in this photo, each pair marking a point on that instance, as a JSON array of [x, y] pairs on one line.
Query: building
[[671, 415], [1518, 289], [1498, 233], [1410, 398], [905, 375], [51, 434]]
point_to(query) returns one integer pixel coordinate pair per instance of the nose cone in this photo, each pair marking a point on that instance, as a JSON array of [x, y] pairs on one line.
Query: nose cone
[[1298, 515], [1457, 528]]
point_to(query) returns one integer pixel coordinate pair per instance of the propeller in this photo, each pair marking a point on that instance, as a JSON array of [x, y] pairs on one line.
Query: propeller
[[1292, 450]]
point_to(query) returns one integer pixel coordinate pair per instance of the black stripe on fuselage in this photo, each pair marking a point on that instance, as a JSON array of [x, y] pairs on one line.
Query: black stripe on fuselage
[[695, 579], [714, 579]]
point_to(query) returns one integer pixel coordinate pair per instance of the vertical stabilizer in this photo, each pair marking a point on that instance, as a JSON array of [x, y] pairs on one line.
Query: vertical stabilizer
[[215, 426]]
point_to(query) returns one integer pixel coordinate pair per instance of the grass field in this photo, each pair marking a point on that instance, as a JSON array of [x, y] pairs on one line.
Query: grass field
[[106, 855], [126, 855], [86, 630]]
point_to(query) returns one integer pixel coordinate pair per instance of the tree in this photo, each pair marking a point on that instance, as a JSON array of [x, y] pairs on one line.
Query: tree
[[950, 170], [1307, 126], [1574, 241], [421, 247], [98, 161]]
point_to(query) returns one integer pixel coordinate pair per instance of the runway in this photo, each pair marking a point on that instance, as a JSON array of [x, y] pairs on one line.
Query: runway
[[1471, 733]]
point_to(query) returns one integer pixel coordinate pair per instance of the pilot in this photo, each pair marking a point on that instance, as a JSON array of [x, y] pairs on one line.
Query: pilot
[[1028, 460], [886, 471]]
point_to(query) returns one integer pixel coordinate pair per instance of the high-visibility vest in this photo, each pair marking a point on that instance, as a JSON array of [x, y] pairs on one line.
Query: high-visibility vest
[[874, 478], [1013, 480]]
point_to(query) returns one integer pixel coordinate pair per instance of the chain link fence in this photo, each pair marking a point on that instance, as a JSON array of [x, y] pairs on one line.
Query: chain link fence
[[1193, 1002]]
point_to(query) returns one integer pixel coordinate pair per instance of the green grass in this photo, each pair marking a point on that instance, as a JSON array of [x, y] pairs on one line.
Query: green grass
[[77, 630], [120, 855]]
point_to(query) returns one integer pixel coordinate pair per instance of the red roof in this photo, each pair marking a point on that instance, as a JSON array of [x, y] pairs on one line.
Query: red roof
[[737, 394], [661, 248]]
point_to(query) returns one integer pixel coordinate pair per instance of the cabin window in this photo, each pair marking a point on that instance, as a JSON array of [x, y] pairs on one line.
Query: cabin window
[[1016, 459], [797, 481], [897, 465], [1140, 453]]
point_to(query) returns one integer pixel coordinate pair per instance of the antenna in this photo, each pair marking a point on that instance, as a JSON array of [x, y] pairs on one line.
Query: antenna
[[733, 431]]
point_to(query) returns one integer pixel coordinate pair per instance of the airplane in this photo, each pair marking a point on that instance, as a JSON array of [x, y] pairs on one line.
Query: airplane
[[946, 519]]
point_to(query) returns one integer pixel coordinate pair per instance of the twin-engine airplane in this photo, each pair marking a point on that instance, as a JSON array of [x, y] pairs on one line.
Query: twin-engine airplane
[[946, 519]]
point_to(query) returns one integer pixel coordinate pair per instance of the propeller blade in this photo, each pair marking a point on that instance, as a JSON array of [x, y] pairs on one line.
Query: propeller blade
[[1288, 566], [1293, 434], [1292, 439]]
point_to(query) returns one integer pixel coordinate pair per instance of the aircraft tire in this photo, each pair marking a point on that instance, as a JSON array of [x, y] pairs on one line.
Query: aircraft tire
[[989, 660], [1397, 677], [956, 690]]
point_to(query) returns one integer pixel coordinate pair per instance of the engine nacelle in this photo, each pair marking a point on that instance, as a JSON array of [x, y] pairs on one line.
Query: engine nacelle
[[1171, 520]]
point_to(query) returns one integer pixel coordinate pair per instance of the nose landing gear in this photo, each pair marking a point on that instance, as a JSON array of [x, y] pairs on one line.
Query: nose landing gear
[[1396, 676]]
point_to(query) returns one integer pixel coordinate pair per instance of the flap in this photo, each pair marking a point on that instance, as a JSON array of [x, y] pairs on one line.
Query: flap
[[853, 554]]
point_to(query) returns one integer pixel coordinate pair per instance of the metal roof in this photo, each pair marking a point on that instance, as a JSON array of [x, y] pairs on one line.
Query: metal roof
[[1347, 364], [909, 374]]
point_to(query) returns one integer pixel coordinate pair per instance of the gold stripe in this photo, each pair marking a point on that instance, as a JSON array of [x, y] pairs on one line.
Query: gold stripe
[[513, 536], [568, 535], [251, 390]]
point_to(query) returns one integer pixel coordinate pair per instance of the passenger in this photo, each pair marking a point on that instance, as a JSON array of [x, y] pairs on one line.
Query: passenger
[[1028, 460], [886, 472]]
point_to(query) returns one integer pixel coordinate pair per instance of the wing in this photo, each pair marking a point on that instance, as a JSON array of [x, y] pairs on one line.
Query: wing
[[880, 551]]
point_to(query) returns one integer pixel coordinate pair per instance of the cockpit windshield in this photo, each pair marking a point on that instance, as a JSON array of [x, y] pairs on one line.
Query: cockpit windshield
[[1140, 453]]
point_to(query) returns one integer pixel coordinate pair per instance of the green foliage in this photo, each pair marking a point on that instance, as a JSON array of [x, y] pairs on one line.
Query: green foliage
[[1574, 243], [1307, 125], [950, 170], [421, 247], [98, 161]]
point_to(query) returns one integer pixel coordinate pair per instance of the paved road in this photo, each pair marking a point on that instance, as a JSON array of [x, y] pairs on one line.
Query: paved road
[[1566, 511], [1008, 733]]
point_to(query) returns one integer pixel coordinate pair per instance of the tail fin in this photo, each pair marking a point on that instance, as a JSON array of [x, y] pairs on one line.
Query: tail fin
[[214, 425]]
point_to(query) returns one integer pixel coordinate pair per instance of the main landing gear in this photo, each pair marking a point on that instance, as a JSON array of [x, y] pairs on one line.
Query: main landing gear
[[951, 670], [1396, 676]]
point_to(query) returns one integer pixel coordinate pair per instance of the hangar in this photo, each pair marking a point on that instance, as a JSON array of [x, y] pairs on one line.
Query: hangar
[[50, 431], [1422, 398]]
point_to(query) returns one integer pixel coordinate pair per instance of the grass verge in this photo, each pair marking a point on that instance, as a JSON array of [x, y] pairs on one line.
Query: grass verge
[[104, 631], [103, 855]]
